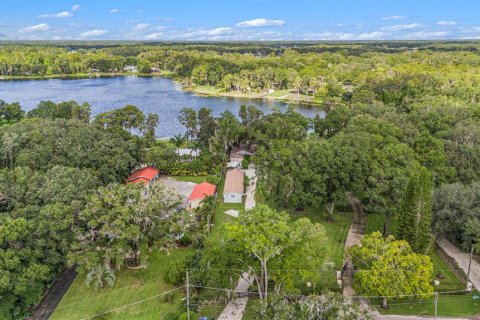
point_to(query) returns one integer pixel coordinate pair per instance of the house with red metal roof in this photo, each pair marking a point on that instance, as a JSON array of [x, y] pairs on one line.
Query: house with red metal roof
[[146, 175], [200, 192]]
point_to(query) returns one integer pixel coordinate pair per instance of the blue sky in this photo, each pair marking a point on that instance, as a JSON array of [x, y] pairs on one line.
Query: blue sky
[[239, 19]]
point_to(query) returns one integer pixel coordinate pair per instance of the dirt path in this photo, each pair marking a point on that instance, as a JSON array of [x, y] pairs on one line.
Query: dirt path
[[235, 308], [54, 295], [462, 259], [355, 235]]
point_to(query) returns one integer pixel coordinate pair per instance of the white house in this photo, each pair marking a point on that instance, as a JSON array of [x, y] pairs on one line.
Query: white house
[[130, 68], [233, 191]]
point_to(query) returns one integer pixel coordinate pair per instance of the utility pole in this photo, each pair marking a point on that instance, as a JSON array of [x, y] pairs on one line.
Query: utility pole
[[188, 297], [436, 304]]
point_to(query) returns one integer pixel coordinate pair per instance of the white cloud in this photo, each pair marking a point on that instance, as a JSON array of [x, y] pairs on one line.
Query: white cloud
[[394, 17], [371, 36], [63, 14], [260, 22], [346, 36], [154, 36], [141, 26], [400, 27], [114, 10], [93, 33], [446, 23], [36, 28], [427, 35], [207, 32]]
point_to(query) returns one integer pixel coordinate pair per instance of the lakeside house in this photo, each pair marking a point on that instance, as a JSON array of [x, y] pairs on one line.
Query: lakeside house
[[237, 155], [200, 192], [130, 68], [146, 175], [234, 188]]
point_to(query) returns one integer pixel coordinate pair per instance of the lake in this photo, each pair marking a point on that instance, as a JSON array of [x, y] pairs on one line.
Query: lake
[[151, 94]]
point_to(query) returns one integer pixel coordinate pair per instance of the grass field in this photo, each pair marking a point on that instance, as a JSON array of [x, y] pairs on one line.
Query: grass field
[[194, 179], [130, 286], [448, 306]]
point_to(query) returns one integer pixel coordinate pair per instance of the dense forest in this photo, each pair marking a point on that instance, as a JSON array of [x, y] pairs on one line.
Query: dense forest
[[401, 136]]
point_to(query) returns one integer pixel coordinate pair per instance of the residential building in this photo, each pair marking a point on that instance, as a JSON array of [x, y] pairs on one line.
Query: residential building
[[200, 192], [234, 188], [146, 175]]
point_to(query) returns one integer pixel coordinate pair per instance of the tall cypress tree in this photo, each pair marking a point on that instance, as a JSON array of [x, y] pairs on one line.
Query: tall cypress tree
[[415, 216]]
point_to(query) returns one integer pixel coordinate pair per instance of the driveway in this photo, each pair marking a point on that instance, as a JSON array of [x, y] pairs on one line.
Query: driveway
[[183, 188], [250, 191], [462, 259]]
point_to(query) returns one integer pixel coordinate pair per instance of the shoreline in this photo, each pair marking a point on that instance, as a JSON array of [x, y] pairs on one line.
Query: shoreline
[[84, 76], [283, 96]]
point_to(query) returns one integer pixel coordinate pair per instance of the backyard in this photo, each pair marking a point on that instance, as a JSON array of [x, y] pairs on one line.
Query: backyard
[[130, 286]]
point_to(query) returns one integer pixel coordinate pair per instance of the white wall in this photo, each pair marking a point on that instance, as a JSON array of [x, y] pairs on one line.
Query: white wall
[[232, 197]]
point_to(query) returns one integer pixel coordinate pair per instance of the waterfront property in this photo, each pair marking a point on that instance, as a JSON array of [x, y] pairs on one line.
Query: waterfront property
[[234, 188]]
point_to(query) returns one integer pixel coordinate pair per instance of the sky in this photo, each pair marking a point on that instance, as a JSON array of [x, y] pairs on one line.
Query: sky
[[231, 20]]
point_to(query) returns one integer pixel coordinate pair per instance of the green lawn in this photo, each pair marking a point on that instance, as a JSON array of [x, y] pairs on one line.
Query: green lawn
[[194, 179], [337, 233], [448, 306], [130, 286]]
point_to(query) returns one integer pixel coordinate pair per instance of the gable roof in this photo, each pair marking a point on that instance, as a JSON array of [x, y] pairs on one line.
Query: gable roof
[[234, 181], [145, 174], [201, 191]]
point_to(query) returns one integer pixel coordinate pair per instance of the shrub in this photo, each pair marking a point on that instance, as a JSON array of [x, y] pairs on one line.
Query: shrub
[[184, 316], [176, 272]]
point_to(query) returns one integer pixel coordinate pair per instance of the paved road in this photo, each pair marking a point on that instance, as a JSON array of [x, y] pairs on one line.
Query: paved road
[[462, 259]]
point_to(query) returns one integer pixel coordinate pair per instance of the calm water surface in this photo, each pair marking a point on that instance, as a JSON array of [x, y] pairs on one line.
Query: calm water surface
[[150, 94]]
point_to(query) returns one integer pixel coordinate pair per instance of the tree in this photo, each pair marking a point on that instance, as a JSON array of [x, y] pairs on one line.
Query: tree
[[10, 111], [207, 125], [263, 238], [99, 276], [206, 211], [415, 218], [454, 205], [327, 306], [177, 141], [161, 156], [120, 222], [229, 129], [188, 119], [389, 268], [149, 127]]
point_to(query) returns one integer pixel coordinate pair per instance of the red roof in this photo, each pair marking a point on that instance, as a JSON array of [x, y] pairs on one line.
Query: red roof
[[145, 175], [202, 190]]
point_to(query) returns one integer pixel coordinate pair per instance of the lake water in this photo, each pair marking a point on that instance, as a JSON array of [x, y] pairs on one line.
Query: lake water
[[151, 94]]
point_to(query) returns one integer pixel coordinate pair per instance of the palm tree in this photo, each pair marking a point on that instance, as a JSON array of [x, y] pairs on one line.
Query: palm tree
[[178, 140], [206, 210], [100, 275]]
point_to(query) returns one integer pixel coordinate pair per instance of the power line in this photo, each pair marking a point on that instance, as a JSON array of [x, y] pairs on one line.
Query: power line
[[131, 304], [97, 296]]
